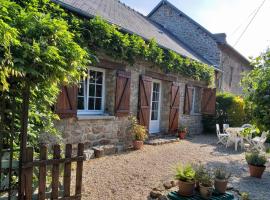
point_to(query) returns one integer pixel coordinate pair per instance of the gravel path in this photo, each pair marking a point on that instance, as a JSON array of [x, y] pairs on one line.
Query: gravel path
[[133, 174]]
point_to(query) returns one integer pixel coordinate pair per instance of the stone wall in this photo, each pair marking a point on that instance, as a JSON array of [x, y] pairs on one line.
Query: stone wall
[[187, 31], [107, 129], [233, 69]]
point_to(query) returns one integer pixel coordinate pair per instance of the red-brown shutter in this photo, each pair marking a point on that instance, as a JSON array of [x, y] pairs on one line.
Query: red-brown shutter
[[188, 100], [208, 101], [66, 105], [174, 108], [144, 100], [122, 96]]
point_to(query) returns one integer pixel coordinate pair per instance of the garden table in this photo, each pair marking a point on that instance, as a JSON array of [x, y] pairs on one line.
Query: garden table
[[235, 136]]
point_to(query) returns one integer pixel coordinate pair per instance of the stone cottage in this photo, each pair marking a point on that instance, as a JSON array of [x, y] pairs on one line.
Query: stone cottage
[[212, 47], [96, 112]]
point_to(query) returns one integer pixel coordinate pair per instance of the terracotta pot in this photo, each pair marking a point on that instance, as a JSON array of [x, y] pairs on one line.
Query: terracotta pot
[[137, 144], [221, 185], [186, 188], [182, 135], [256, 171], [206, 192]]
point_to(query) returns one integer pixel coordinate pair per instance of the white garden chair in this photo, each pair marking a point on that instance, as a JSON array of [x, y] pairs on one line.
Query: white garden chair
[[246, 126], [222, 137], [258, 142], [225, 126]]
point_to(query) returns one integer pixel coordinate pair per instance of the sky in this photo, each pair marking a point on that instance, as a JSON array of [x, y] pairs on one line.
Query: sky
[[224, 16]]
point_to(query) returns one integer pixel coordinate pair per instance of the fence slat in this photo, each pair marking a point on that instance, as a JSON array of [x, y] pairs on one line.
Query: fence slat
[[79, 171], [42, 173], [55, 173], [28, 174], [67, 171]]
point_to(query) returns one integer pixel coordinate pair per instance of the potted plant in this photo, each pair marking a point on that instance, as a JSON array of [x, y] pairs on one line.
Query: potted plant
[[206, 185], [199, 171], [138, 131], [244, 196], [182, 131], [221, 179], [186, 176], [256, 162]]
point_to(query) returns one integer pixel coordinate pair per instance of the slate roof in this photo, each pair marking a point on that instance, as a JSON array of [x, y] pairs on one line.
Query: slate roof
[[130, 21]]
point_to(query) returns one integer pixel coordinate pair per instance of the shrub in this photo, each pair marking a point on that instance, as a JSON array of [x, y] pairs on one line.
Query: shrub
[[139, 132], [185, 173], [256, 158], [206, 179], [222, 174]]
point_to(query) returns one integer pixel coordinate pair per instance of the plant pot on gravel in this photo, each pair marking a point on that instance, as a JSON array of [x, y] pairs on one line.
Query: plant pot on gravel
[[182, 131], [139, 133], [185, 175], [256, 162], [206, 186], [221, 179]]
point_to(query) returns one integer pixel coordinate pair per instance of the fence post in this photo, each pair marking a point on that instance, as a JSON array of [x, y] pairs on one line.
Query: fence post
[[67, 171], [42, 173], [55, 172], [79, 172], [28, 174]]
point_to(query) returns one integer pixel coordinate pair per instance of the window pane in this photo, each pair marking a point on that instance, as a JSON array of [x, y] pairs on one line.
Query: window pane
[[80, 103], [154, 115], [99, 77], [91, 90], [98, 90], [98, 104], [92, 76], [91, 104], [81, 89]]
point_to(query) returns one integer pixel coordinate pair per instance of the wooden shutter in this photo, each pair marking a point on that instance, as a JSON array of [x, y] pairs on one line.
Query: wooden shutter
[[66, 105], [174, 108], [188, 100], [144, 100], [122, 95], [209, 101]]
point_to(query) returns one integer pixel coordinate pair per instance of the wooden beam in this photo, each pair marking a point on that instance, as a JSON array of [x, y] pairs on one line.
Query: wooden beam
[[163, 77], [108, 64]]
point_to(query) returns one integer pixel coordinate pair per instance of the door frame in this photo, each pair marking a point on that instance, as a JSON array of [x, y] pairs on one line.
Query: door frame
[[159, 105]]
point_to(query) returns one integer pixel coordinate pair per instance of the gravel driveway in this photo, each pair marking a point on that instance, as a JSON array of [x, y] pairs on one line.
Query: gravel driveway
[[133, 174]]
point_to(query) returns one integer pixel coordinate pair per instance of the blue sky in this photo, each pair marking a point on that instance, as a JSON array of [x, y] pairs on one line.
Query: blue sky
[[224, 16]]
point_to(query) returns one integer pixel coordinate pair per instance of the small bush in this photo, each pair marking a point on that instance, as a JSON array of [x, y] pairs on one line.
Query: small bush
[[138, 131], [222, 173], [256, 158], [185, 173]]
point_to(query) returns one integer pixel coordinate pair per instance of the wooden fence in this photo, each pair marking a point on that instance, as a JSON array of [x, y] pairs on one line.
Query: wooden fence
[[29, 164]]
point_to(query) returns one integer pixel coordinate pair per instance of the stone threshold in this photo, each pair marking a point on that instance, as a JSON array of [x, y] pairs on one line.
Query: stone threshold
[[102, 150], [159, 140]]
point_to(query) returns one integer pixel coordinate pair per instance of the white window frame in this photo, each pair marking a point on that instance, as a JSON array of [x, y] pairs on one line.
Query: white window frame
[[194, 102], [86, 97]]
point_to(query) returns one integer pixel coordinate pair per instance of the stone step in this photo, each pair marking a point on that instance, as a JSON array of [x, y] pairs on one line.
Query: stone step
[[161, 140]]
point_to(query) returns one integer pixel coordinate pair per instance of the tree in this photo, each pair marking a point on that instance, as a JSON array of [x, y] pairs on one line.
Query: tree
[[39, 52], [256, 88]]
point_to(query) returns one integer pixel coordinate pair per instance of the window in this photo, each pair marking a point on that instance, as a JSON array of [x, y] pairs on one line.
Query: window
[[155, 101], [196, 100], [231, 76], [91, 92]]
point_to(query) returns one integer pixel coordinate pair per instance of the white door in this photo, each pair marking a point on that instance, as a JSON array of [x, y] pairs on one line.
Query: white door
[[155, 107]]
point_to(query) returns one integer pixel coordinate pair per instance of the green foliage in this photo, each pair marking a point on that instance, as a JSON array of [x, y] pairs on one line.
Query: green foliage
[[200, 170], [230, 109], [254, 131], [39, 51], [256, 88], [138, 131], [128, 47], [185, 173], [256, 158], [206, 179], [244, 196], [222, 173]]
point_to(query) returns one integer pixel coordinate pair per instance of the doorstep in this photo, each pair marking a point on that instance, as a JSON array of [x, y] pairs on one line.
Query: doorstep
[[161, 140]]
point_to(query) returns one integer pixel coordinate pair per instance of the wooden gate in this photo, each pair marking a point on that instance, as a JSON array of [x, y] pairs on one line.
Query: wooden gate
[[35, 174]]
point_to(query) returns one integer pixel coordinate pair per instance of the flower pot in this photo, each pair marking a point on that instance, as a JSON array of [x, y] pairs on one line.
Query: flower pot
[[137, 144], [256, 171], [206, 192], [221, 185], [182, 135], [186, 188]]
